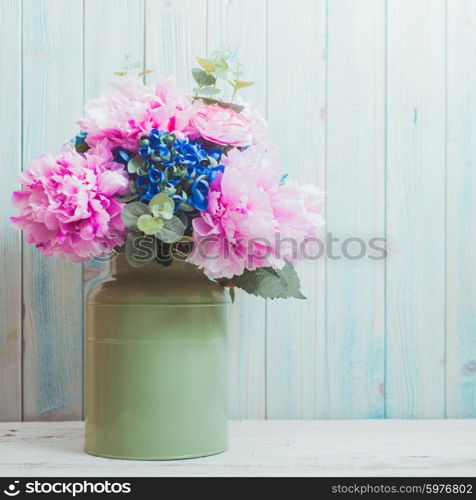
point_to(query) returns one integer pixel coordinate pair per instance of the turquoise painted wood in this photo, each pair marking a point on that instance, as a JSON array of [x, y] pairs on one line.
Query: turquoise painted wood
[[124, 47], [461, 211], [355, 333], [11, 246], [295, 364], [415, 218], [373, 100], [230, 25], [52, 289]]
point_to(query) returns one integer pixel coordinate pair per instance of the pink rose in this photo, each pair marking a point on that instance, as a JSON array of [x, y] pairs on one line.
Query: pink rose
[[223, 126]]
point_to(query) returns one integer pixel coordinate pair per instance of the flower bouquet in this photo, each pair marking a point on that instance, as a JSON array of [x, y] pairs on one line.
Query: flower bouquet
[[187, 197], [160, 175]]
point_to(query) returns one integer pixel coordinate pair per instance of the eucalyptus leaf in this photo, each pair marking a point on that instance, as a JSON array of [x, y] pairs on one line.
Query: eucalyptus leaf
[[149, 224], [271, 283], [132, 212], [140, 249], [162, 205], [172, 231], [134, 164], [184, 220], [132, 186], [186, 207], [210, 91], [145, 72], [241, 85], [128, 199], [203, 78], [206, 64], [235, 107]]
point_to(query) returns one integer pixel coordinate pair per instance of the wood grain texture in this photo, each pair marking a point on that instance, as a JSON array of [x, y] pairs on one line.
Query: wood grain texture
[[53, 95], [357, 448], [384, 92], [295, 358], [355, 207], [11, 248], [461, 211], [117, 46], [240, 25], [415, 303], [176, 32]]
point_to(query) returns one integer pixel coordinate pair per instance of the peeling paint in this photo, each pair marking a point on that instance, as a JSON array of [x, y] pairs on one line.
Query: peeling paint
[[322, 113], [415, 117], [469, 368]]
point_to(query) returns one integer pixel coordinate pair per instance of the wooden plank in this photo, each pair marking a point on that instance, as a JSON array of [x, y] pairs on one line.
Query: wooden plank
[[461, 211], [231, 25], [363, 448], [53, 94], [295, 358], [118, 44], [415, 209], [356, 207], [10, 145], [176, 32]]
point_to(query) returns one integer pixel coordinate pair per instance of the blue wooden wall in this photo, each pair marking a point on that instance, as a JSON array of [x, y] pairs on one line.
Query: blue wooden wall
[[374, 100]]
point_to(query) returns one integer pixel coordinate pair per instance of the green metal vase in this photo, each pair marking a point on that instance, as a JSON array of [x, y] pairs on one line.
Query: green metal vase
[[156, 363]]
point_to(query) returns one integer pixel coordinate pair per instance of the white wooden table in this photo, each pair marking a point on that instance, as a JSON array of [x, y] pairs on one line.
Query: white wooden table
[[262, 448]]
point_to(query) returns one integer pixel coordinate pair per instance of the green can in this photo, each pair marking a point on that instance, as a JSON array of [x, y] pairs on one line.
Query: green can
[[156, 363]]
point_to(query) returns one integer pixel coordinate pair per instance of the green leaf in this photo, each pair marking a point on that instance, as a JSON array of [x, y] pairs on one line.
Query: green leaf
[[184, 219], [186, 207], [241, 85], [132, 186], [221, 68], [232, 295], [172, 231], [222, 64], [206, 65], [134, 164], [140, 249], [161, 205], [271, 283], [82, 148], [235, 107], [149, 224], [128, 199], [209, 91], [145, 72], [203, 78], [170, 190], [132, 212]]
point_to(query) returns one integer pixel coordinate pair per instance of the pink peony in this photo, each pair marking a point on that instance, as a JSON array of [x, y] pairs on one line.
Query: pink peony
[[129, 109], [222, 126], [259, 129], [67, 206], [252, 220]]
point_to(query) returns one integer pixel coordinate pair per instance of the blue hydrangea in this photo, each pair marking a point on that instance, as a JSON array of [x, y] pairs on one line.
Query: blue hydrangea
[[182, 168]]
